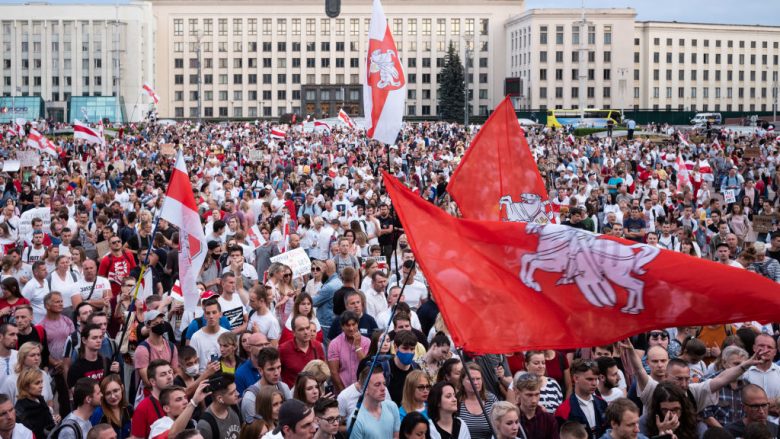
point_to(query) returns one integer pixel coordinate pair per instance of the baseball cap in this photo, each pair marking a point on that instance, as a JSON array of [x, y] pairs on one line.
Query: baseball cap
[[151, 315], [208, 294], [290, 413]]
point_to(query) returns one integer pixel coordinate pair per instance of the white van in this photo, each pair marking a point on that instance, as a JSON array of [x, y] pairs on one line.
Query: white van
[[703, 118]]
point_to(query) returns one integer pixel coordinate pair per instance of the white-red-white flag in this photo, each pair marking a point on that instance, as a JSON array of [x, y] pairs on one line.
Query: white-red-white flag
[[277, 133], [683, 139], [570, 139], [384, 91], [19, 125], [179, 209], [147, 286], [254, 237], [81, 131], [344, 117], [35, 139], [150, 91], [683, 178], [50, 147], [321, 124]]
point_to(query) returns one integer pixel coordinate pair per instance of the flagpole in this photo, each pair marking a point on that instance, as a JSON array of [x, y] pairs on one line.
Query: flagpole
[[130, 310], [137, 98], [352, 421], [459, 351]]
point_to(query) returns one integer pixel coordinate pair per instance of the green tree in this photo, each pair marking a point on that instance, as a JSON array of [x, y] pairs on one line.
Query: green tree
[[452, 87]]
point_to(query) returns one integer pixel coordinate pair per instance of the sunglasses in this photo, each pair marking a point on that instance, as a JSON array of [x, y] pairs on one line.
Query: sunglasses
[[287, 275], [662, 335], [424, 387], [316, 269]]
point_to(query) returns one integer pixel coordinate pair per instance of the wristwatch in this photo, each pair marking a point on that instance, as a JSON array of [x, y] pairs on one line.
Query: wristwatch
[[359, 348]]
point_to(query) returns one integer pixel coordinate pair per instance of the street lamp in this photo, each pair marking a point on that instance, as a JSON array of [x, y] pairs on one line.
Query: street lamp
[[467, 51], [200, 80]]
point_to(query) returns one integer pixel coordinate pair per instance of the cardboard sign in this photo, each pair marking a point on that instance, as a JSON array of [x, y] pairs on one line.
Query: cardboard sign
[[25, 221], [11, 166], [255, 155], [381, 262], [762, 223], [297, 260], [752, 153], [28, 159], [119, 166], [729, 196], [168, 149], [102, 248]]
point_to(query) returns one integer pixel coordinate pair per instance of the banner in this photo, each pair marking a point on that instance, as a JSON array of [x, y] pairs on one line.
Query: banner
[[254, 155], [11, 165], [25, 221], [28, 159], [297, 260]]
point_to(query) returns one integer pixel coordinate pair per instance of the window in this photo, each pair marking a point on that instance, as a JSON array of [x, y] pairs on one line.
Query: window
[[607, 56], [606, 74], [178, 27], [281, 46], [607, 34], [325, 27], [542, 56], [222, 27], [252, 25], [281, 26], [237, 28], [558, 34], [591, 34], [543, 74], [267, 26], [607, 92], [426, 27], [542, 34], [559, 56], [575, 35], [412, 27]]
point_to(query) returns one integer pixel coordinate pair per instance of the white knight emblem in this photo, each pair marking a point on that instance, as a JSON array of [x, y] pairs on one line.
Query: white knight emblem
[[384, 65], [591, 263], [530, 209]]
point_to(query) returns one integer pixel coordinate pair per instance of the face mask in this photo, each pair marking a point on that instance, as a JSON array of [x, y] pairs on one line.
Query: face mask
[[403, 246], [159, 329], [192, 370], [405, 358]]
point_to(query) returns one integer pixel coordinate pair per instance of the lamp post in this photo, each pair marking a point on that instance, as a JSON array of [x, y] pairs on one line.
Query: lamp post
[[200, 80], [467, 52]]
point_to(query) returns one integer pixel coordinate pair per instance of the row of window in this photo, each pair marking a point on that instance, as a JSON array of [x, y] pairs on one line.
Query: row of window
[[705, 58], [37, 63], [576, 35], [238, 63], [575, 56], [693, 75], [575, 92], [705, 92], [281, 78], [206, 26], [311, 46], [694, 43], [37, 81], [606, 74]]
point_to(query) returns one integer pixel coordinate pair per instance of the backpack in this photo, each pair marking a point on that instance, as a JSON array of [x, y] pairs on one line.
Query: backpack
[[68, 423], [72, 276], [149, 348]]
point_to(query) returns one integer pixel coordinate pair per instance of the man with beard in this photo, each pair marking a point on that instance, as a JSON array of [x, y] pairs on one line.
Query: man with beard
[[609, 378]]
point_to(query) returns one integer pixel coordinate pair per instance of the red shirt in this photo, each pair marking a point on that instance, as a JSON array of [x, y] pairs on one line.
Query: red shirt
[[19, 302], [116, 269], [148, 411], [294, 359]]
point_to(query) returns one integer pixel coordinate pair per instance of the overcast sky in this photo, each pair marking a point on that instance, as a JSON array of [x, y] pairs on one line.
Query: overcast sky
[[766, 12]]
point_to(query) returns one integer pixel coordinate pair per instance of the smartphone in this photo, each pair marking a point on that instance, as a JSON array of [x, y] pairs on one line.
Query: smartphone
[[214, 357]]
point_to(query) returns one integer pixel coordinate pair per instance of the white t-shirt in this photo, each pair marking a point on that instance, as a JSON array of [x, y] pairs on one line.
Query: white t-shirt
[[101, 286], [233, 310], [31, 254], [266, 324], [415, 292], [35, 291], [68, 287], [206, 345]]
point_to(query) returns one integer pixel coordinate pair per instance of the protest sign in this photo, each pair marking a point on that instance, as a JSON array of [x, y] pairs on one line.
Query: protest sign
[[28, 159], [25, 221], [11, 165], [297, 260]]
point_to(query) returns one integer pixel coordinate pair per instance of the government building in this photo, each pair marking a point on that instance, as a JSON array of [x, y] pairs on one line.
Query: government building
[[268, 58]]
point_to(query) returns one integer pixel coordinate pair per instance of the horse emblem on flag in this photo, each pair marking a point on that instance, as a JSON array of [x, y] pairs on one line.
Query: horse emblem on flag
[[530, 209], [383, 63], [593, 264]]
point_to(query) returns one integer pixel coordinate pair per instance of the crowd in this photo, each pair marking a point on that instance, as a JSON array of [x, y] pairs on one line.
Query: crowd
[[272, 353]]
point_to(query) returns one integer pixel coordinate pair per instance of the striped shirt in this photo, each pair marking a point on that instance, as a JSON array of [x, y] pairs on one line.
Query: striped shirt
[[477, 424], [551, 396]]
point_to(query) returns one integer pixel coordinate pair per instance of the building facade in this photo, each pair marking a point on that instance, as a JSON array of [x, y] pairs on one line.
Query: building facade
[[256, 57], [60, 51], [613, 61]]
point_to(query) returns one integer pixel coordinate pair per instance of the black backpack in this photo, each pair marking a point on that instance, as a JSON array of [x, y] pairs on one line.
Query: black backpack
[[68, 423]]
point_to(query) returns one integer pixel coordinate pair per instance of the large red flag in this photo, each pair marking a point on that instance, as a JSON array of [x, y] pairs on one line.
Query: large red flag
[[179, 209], [511, 286], [498, 178]]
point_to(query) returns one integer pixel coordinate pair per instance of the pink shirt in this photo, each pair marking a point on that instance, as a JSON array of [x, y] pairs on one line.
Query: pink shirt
[[342, 350], [57, 333]]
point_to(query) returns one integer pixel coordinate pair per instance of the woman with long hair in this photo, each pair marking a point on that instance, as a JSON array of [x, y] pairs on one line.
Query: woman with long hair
[[416, 389], [267, 407], [114, 409], [307, 389], [28, 357], [670, 409], [442, 412], [301, 307], [243, 345], [31, 409], [551, 394], [450, 372], [470, 409], [50, 257], [12, 296], [77, 257], [315, 283]]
